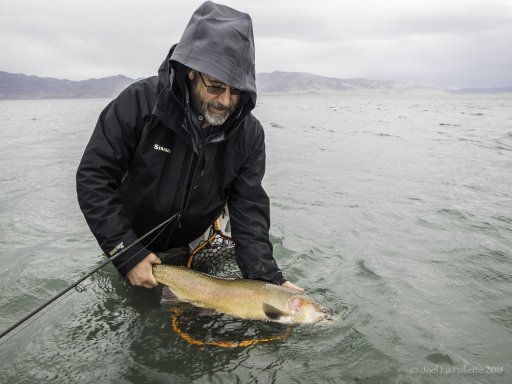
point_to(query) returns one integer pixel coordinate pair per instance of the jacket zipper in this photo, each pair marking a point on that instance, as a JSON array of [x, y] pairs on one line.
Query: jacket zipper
[[189, 184], [189, 187]]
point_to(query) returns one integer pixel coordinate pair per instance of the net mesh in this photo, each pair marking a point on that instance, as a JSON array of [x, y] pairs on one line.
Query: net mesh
[[216, 256]]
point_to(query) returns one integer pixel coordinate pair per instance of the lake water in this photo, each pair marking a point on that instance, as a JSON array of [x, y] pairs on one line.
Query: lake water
[[394, 210]]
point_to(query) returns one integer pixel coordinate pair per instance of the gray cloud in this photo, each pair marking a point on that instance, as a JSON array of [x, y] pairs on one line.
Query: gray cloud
[[442, 43]]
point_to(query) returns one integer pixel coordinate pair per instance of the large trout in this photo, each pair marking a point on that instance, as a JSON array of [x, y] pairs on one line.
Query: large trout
[[243, 298]]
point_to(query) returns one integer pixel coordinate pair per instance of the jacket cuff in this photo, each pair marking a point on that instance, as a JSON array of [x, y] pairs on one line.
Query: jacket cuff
[[129, 259], [277, 278], [271, 277]]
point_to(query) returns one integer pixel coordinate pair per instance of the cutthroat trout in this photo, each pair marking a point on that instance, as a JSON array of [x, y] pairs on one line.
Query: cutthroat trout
[[243, 298]]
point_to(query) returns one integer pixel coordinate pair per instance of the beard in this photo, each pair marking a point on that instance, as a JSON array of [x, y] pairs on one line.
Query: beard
[[214, 112], [218, 117]]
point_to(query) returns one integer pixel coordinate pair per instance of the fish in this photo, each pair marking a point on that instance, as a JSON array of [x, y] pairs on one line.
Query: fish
[[243, 298]]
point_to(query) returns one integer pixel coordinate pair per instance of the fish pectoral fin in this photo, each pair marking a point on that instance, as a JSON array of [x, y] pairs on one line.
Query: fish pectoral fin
[[272, 312], [168, 297]]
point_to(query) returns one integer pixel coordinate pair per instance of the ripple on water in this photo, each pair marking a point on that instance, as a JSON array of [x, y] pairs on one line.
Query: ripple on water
[[503, 317], [366, 272], [456, 214], [439, 358]]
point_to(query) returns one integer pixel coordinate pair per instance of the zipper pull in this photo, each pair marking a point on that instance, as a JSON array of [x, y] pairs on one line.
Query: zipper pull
[[179, 221]]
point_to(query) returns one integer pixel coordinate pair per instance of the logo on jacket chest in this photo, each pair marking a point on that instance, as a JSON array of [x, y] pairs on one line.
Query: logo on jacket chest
[[162, 149]]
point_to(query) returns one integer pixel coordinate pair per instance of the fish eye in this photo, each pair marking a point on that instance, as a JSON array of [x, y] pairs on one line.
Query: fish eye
[[327, 311]]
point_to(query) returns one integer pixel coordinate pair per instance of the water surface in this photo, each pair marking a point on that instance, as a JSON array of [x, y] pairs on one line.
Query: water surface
[[395, 210]]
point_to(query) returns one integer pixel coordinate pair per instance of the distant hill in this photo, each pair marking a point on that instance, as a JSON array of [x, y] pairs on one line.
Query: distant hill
[[300, 82], [19, 86], [491, 90]]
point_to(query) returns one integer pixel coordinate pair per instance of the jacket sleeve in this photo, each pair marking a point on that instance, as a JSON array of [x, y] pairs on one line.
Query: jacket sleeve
[[99, 176], [249, 212]]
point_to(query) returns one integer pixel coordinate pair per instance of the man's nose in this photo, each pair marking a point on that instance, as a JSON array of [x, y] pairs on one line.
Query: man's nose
[[225, 97]]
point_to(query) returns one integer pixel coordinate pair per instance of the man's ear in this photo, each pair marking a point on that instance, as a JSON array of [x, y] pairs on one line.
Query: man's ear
[[191, 74]]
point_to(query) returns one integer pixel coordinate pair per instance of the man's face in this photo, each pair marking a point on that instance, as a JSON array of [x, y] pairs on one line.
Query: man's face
[[215, 108]]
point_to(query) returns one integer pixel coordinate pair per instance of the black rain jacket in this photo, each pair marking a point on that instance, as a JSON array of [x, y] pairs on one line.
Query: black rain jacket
[[148, 158]]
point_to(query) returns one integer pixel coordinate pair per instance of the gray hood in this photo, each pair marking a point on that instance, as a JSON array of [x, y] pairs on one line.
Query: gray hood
[[219, 42]]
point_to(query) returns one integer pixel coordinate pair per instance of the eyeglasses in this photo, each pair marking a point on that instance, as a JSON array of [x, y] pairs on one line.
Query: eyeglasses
[[218, 90]]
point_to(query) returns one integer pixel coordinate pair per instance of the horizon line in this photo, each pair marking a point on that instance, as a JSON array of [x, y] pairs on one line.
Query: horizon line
[[278, 71]]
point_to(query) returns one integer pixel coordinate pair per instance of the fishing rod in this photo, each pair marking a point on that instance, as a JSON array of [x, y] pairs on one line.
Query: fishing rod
[[92, 272]]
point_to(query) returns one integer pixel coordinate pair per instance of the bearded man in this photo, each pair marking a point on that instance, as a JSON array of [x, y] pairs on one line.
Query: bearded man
[[183, 142]]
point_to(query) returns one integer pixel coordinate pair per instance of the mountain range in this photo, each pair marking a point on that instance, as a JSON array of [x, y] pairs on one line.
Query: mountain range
[[20, 86], [301, 82]]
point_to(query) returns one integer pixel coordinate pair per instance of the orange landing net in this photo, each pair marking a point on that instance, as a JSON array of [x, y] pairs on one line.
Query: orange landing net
[[221, 343], [176, 312]]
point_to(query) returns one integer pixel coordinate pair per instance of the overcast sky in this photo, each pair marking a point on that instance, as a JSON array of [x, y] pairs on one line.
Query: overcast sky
[[444, 43]]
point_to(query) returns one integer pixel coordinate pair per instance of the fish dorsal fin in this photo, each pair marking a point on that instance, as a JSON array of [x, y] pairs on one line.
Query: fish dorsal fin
[[272, 312]]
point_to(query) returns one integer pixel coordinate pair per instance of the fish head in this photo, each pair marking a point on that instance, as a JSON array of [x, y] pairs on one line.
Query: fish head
[[304, 310]]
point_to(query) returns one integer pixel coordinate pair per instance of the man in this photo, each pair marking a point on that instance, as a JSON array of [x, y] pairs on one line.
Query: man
[[183, 142]]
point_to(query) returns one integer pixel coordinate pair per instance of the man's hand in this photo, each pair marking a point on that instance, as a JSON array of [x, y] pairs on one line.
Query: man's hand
[[287, 284], [142, 274]]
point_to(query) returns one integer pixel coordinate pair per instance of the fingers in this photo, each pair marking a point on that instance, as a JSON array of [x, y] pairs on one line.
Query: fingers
[[153, 259], [142, 274], [289, 284]]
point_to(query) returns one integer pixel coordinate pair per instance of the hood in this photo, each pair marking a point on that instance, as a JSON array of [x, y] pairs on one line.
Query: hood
[[219, 42]]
